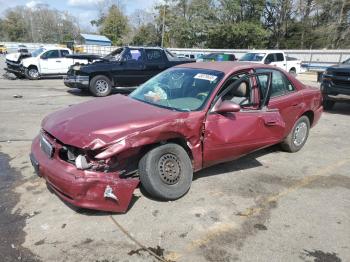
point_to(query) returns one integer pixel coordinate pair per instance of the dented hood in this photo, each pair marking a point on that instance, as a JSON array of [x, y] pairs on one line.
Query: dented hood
[[103, 121]]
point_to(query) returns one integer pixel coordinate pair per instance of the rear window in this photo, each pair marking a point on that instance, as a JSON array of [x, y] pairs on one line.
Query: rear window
[[253, 57], [279, 57], [154, 55], [64, 53]]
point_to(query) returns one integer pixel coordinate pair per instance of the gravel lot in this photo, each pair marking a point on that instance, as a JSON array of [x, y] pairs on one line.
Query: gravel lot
[[268, 206]]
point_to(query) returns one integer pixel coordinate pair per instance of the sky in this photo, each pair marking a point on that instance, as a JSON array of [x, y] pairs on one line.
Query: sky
[[84, 10]]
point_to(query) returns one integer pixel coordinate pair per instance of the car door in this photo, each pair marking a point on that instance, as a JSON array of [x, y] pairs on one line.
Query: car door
[[284, 97], [154, 61], [131, 72], [50, 62], [65, 61], [280, 61], [231, 135]]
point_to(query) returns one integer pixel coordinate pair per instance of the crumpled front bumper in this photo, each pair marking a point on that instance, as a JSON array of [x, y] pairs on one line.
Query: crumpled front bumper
[[14, 68], [85, 189], [76, 81]]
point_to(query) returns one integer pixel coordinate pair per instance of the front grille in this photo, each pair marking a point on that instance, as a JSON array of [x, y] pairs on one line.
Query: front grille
[[341, 82], [346, 74]]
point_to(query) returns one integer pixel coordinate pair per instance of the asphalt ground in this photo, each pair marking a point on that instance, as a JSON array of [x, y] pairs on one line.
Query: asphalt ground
[[267, 206]]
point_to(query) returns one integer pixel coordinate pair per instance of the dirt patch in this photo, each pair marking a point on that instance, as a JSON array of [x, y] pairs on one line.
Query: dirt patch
[[12, 235]]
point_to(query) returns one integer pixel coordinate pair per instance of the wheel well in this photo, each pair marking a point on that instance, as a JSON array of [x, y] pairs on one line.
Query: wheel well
[[32, 66], [102, 74], [179, 140], [293, 69], [310, 115]]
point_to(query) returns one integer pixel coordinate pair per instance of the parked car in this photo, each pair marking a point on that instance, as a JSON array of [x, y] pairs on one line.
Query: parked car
[[3, 49], [212, 57], [335, 85], [23, 49], [41, 62], [274, 58], [125, 67], [189, 117]]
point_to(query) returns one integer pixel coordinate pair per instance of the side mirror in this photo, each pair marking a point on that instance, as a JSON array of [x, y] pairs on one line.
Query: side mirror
[[227, 107], [267, 62]]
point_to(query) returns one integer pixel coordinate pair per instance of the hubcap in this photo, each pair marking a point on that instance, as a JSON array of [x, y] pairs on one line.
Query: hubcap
[[300, 134], [102, 86], [33, 73], [169, 169]]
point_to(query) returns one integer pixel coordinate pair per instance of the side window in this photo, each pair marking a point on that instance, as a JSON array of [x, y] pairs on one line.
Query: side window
[[240, 94], [154, 55], [64, 53], [133, 55], [280, 85], [279, 57], [51, 54], [270, 58]]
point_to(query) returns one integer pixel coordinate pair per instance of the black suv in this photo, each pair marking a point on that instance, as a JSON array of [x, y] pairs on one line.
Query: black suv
[[335, 84], [124, 67]]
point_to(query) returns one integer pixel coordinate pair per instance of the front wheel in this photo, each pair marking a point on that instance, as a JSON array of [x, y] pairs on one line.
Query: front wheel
[[298, 136], [328, 104], [166, 172], [32, 73], [100, 86]]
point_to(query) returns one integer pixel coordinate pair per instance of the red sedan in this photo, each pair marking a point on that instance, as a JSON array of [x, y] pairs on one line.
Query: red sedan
[[188, 117]]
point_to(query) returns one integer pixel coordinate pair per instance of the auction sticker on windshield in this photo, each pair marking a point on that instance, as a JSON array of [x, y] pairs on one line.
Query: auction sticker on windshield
[[208, 77]]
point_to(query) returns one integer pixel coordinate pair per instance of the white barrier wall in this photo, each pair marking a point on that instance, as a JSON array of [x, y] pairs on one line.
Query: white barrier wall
[[307, 56]]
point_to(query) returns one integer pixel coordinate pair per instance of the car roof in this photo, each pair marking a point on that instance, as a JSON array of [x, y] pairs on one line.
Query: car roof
[[226, 67]]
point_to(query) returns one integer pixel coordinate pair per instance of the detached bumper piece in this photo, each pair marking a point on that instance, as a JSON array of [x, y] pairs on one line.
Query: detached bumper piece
[[82, 188], [74, 81]]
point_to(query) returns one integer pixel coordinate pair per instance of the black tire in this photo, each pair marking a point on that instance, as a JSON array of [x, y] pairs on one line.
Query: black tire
[[166, 172], [32, 73], [100, 86], [328, 104], [293, 71], [293, 144]]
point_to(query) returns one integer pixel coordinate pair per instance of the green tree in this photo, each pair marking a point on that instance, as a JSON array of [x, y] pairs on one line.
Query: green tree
[[238, 35], [15, 25], [147, 35], [115, 25]]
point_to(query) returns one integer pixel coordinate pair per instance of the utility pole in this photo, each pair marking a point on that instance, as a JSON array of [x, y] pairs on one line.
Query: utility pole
[[163, 27]]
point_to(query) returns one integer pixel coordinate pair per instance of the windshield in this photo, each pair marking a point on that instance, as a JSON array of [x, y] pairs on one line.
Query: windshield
[[181, 89], [37, 52], [115, 55], [211, 56], [253, 57]]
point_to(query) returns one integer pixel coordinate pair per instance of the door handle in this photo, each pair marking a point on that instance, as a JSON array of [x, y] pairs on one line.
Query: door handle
[[295, 105], [58, 61], [270, 123]]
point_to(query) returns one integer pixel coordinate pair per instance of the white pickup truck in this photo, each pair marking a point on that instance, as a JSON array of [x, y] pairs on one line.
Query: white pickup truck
[[41, 62], [275, 58]]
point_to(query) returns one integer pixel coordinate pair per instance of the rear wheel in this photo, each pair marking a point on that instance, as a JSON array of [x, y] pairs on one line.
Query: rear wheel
[[166, 172], [298, 136], [293, 71], [100, 86]]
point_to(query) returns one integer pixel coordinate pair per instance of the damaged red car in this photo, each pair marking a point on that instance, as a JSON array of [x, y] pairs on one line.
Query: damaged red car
[[189, 117]]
